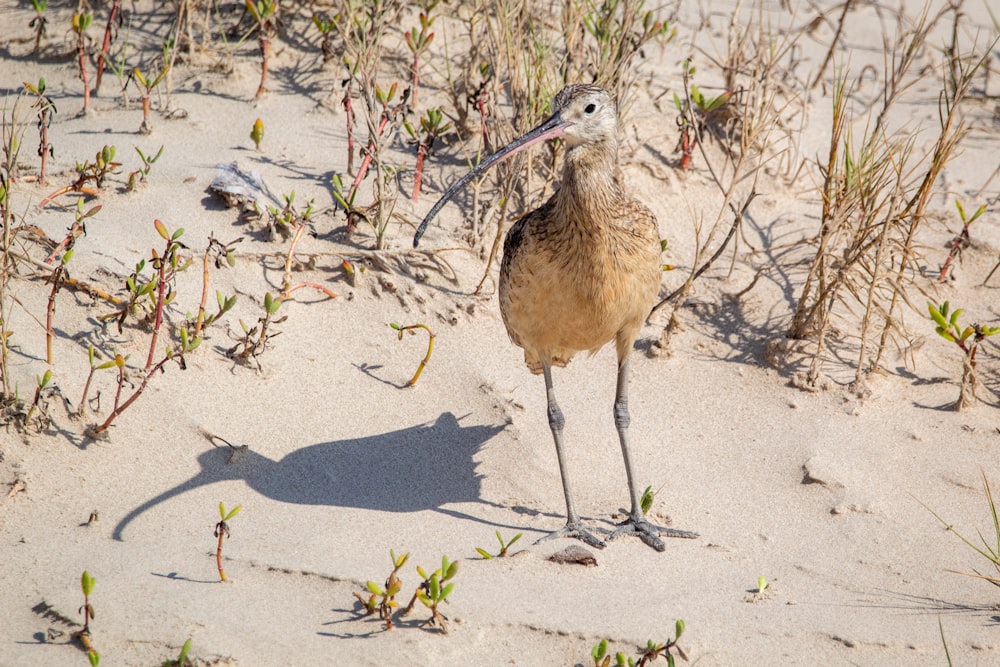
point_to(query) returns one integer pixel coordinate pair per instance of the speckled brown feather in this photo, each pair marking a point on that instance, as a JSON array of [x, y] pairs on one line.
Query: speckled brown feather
[[584, 268]]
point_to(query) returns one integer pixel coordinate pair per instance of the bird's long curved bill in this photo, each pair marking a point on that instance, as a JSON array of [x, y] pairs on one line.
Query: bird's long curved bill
[[550, 129]]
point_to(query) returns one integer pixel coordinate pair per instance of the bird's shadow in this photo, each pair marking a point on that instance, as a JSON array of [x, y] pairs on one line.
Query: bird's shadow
[[399, 471]]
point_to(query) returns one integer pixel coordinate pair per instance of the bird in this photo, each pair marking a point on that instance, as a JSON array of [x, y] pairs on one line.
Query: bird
[[577, 273]]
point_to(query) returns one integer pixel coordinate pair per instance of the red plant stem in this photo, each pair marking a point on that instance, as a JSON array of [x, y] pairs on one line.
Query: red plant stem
[[955, 248], [418, 179], [86, 615], [76, 230], [265, 51], [287, 278], [93, 192], [218, 552], [131, 399], [688, 143], [366, 162], [145, 109], [118, 390], [86, 390], [288, 290], [160, 297], [106, 45], [82, 56]]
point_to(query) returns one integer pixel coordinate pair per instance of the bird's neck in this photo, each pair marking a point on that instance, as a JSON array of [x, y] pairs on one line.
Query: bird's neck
[[589, 189]]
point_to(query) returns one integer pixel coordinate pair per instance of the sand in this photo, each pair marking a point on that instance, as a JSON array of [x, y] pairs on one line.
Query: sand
[[822, 493]]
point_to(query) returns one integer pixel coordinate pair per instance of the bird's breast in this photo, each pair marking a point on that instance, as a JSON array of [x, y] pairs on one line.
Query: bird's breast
[[574, 285]]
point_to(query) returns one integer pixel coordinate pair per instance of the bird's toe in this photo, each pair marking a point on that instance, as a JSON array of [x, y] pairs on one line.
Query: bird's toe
[[649, 532], [577, 530]]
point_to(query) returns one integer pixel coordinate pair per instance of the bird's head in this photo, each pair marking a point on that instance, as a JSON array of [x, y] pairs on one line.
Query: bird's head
[[585, 114], [581, 114]]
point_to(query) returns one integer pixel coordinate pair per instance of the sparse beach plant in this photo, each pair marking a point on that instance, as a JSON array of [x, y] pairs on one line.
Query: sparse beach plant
[[142, 173], [223, 254], [45, 109], [761, 584], [146, 82], [160, 291], [432, 125], [618, 31], [94, 367], [288, 221], [647, 499], [697, 115], [257, 133], [89, 172], [80, 22], [384, 115], [256, 338], [875, 191], [41, 382], [87, 609], [961, 241], [504, 547], [66, 247], [345, 199], [434, 590], [411, 329], [418, 41], [968, 339], [110, 31], [265, 14], [988, 549], [11, 133], [39, 23], [383, 598], [325, 27], [182, 657], [602, 657], [221, 532]]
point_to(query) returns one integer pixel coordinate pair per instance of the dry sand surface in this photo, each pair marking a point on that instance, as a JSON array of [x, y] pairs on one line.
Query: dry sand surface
[[821, 492]]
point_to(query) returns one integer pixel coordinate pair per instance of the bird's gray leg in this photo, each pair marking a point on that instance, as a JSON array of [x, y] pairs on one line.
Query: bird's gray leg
[[573, 527], [636, 524]]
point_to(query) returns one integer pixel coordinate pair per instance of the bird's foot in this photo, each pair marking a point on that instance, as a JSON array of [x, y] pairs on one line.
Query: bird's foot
[[649, 532], [577, 530]]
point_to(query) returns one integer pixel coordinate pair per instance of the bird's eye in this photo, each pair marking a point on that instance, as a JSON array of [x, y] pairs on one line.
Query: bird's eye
[[590, 108]]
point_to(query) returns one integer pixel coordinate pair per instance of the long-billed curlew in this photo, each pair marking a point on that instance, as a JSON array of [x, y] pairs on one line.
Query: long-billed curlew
[[578, 272]]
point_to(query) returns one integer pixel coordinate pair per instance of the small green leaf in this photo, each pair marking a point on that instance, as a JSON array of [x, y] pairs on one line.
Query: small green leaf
[[375, 588], [599, 651], [646, 502], [678, 629], [161, 229], [446, 591], [484, 553], [87, 583]]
